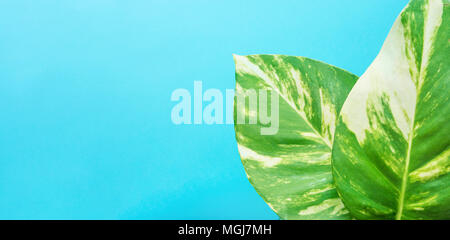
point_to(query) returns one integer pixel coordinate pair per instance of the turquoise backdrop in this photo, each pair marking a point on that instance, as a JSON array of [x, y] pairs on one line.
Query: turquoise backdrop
[[85, 85]]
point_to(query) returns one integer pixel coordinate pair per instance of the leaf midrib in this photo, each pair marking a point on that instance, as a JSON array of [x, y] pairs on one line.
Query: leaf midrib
[[411, 134], [324, 140], [401, 201]]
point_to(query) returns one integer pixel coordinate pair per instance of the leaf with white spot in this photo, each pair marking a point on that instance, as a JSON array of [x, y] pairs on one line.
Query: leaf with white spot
[[291, 168], [391, 156]]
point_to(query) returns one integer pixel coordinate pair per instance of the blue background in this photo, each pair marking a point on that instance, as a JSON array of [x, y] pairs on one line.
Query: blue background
[[85, 128]]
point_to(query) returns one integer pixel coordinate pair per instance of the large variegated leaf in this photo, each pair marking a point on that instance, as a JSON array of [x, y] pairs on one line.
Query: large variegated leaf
[[291, 170], [391, 156]]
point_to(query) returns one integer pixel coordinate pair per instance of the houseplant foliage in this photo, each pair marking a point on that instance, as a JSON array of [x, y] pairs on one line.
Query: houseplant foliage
[[389, 156], [291, 170]]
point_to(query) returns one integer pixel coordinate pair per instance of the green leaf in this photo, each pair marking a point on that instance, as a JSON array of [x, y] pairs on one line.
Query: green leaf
[[291, 169], [391, 157]]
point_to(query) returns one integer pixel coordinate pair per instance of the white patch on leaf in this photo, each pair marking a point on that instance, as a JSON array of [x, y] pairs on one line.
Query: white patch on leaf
[[433, 21], [433, 169], [267, 161], [335, 203], [328, 116], [388, 75]]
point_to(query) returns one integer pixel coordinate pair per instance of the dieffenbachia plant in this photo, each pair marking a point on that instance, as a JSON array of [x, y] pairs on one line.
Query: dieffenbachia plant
[[391, 156], [291, 170], [390, 152]]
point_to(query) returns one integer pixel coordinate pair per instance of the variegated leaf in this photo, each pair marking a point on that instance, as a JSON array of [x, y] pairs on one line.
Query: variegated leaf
[[391, 156], [291, 170]]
